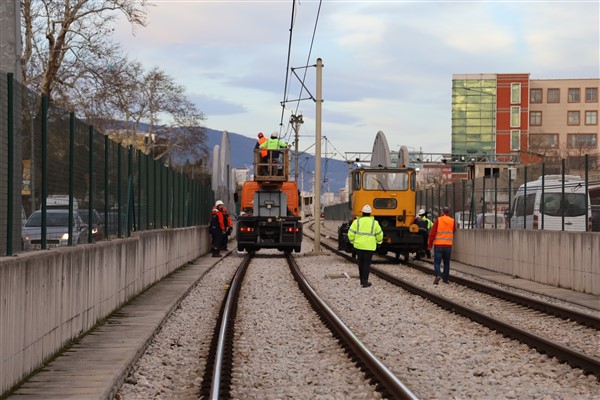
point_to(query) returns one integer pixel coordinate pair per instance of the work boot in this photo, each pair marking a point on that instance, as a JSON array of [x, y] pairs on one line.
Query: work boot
[[216, 255], [428, 252], [436, 280]]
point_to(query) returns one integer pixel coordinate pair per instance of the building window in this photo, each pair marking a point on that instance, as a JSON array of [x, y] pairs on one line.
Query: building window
[[535, 118], [515, 140], [591, 95], [543, 140], [553, 95], [536, 96], [515, 93], [573, 118], [515, 117], [574, 95], [581, 139], [591, 117]]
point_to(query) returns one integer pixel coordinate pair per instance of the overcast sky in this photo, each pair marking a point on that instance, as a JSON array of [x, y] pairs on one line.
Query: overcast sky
[[388, 65]]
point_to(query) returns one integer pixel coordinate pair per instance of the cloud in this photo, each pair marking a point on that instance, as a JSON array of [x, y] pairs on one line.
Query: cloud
[[387, 65], [210, 105]]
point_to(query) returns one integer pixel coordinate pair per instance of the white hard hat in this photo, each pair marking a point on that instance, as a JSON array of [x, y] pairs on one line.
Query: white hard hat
[[274, 135], [422, 212], [219, 203], [366, 209]]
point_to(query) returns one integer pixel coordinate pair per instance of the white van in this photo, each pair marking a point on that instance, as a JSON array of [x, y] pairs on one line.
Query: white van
[[529, 207]]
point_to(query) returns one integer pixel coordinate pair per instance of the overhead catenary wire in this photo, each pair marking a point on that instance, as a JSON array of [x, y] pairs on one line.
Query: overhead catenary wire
[[287, 82], [287, 67]]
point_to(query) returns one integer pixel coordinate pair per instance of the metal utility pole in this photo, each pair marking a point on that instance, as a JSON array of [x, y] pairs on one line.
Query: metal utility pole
[[296, 121], [319, 105]]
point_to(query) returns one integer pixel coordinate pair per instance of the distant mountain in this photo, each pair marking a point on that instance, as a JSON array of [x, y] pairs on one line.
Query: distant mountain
[[335, 171]]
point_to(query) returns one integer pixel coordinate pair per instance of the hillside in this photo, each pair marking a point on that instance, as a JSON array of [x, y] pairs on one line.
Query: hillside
[[335, 171]]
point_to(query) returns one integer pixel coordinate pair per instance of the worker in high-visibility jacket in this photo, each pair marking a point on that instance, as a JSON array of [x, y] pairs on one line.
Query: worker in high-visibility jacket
[[365, 234], [273, 145], [263, 153], [441, 237]]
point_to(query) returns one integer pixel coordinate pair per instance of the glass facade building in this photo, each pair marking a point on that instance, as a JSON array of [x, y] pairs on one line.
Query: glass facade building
[[474, 115]]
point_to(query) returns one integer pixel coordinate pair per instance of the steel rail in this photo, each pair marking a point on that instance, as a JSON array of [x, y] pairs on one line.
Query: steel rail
[[393, 386], [222, 350], [534, 304], [574, 358], [547, 308]]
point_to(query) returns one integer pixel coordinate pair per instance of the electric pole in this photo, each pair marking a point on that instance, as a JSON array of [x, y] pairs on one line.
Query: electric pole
[[319, 104], [296, 121]]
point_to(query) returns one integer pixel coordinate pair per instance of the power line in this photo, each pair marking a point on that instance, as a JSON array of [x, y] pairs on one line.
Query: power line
[[288, 128]]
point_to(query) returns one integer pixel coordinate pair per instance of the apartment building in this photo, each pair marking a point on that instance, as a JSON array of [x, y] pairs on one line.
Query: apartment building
[[508, 115]]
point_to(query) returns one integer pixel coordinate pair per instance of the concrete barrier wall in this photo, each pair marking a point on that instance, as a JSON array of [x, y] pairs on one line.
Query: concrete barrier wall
[[570, 260], [50, 297]]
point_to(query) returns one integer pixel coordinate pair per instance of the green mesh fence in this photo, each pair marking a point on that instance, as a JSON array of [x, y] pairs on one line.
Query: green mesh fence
[[59, 162], [498, 200]]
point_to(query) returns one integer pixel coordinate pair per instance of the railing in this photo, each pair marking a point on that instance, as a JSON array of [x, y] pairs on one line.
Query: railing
[[274, 167]]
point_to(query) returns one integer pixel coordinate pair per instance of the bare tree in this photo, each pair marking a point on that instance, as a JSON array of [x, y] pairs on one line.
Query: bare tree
[[69, 57], [153, 111], [67, 43]]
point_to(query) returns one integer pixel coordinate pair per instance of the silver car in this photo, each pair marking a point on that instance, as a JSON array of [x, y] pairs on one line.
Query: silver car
[[57, 229]]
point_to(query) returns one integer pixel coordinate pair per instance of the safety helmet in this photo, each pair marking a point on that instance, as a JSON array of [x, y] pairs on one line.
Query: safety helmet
[[260, 134], [219, 203], [422, 212], [366, 209], [274, 135]]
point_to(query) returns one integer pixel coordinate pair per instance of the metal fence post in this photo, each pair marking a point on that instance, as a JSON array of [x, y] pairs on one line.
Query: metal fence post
[[119, 228], [44, 169], [525, 198], [71, 176], [587, 188], [562, 196], [511, 211], [138, 209], [543, 194], [11, 165], [91, 184], [106, 155]]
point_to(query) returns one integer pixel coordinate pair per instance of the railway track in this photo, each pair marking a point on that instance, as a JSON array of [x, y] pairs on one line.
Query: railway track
[[219, 372], [564, 353]]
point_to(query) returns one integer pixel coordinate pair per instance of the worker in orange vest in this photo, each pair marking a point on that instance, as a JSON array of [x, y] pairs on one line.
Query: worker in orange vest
[[441, 237], [263, 153]]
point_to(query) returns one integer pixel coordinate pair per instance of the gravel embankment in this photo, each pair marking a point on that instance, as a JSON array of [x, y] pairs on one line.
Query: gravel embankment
[[435, 353], [282, 349]]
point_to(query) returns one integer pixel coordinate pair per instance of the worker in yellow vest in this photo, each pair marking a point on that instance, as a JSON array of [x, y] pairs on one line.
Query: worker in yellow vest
[[365, 234]]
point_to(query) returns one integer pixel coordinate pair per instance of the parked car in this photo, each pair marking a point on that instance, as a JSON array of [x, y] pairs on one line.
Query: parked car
[[57, 229], [98, 225], [491, 220], [463, 220]]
